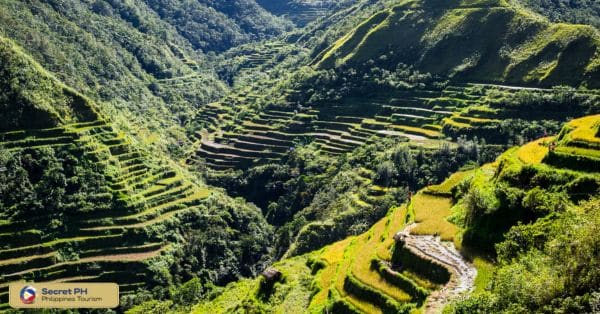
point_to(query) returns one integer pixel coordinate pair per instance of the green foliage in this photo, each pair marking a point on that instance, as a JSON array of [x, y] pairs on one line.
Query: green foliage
[[417, 292], [554, 268], [326, 85], [224, 240], [189, 293], [404, 258], [580, 12], [310, 196], [387, 304], [560, 100], [153, 306], [32, 98], [57, 184], [218, 26], [523, 196], [490, 41], [145, 61], [303, 12]]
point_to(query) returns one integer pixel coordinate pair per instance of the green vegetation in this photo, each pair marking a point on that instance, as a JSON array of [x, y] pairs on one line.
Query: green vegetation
[[144, 61], [581, 12], [82, 197], [211, 157], [541, 219], [489, 40], [303, 12], [33, 98], [306, 195]]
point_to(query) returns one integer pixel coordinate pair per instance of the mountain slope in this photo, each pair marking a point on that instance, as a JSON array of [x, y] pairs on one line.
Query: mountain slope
[[218, 25], [142, 60], [576, 12], [546, 201], [82, 200], [487, 41], [303, 12], [30, 97]]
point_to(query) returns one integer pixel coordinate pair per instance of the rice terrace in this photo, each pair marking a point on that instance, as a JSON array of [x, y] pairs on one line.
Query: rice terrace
[[300, 156]]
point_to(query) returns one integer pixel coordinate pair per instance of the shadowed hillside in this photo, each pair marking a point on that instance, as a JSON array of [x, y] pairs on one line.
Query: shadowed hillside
[[303, 12], [144, 60], [30, 97]]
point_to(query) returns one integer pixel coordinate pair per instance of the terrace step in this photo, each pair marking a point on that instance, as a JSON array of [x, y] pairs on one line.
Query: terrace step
[[332, 150], [230, 150], [335, 145], [88, 260], [249, 145], [39, 142], [265, 140]]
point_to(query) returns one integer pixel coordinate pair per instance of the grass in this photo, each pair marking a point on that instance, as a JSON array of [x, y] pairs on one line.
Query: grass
[[534, 152], [394, 222], [231, 297], [594, 153], [417, 131], [485, 271], [458, 125], [550, 54], [353, 256], [584, 130], [361, 267], [293, 291], [445, 188], [352, 40], [335, 252], [430, 214]]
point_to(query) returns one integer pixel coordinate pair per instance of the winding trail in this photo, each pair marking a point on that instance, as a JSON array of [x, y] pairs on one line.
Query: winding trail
[[463, 276]]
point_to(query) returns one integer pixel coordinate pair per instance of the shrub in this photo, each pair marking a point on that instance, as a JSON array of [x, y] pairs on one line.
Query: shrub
[[189, 293]]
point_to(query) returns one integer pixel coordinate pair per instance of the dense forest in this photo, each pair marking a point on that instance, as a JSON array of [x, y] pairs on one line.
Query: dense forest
[[576, 12], [254, 156]]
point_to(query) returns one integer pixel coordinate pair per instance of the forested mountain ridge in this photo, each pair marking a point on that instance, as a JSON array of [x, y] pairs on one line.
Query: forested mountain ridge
[[144, 60], [489, 41], [219, 25]]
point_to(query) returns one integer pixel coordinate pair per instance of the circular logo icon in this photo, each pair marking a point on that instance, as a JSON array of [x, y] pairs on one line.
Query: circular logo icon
[[27, 295]]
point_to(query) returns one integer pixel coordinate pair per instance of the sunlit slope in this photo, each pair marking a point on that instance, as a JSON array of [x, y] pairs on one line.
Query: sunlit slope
[[578, 145], [31, 97], [486, 40], [360, 274]]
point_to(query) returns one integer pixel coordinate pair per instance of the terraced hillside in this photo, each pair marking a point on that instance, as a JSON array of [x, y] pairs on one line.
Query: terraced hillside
[[301, 12], [400, 265], [486, 41], [578, 146], [109, 245], [371, 272], [81, 200], [425, 117], [243, 65]]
